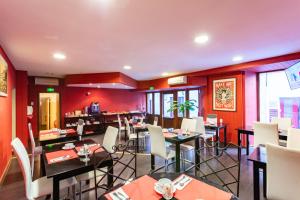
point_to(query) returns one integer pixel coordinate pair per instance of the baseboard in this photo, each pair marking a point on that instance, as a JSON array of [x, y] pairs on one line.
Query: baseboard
[[5, 171]]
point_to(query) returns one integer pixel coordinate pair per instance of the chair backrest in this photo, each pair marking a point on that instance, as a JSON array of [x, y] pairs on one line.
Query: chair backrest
[[200, 126], [265, 133], [155, 122], [32, 146], [110, 138], [142, 120], [158, 141], [24, 163], [283, 180], [80, 126], [283, 123], [128, 130], [188, 124], [293, 139], [212, 118], [119, 121]]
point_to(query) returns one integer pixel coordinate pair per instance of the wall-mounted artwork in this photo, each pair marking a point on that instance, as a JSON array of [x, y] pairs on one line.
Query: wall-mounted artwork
[[224, 94], [3, 77]]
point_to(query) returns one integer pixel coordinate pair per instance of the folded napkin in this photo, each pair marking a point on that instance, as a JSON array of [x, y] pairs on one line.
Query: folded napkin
[[61, 155], [182, 181], [118, 194], [59, 159]]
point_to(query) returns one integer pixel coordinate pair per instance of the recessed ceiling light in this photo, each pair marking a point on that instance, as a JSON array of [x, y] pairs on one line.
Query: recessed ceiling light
[[127, 67], [59, 56], [201, 39], [165, 74], [90, 83], [237, 58]]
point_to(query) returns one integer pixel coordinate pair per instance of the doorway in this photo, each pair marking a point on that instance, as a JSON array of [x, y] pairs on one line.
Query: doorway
[[49, 111]]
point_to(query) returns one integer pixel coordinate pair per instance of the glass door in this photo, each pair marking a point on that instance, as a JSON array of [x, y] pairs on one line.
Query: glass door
[[168, 116]]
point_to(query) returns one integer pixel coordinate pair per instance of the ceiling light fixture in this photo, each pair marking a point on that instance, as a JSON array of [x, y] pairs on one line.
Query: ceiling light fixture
[[165, 74], [90, 83], [237, 58], [98, 86], [127, 67], [201, 39], [59, 56]]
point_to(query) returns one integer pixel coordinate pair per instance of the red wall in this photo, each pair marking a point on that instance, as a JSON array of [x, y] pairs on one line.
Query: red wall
[[21, 107], [6, 118], [232, 119], [75, 98]]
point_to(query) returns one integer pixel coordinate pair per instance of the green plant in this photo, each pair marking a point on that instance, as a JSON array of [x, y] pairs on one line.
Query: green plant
[[183, 107]]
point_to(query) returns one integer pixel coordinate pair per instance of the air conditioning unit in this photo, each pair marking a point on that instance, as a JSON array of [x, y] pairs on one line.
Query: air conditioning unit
[[178, 80], [46, 81]]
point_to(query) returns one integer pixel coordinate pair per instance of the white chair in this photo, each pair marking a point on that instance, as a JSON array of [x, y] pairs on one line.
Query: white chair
[[155, 121], [283, 123], [283, 179], [265, 133], [109, 141], [133, 136], [293, 138], [212, 118], [80, 127], [121, 128], [35, 150], [158, 144], [39, 187]]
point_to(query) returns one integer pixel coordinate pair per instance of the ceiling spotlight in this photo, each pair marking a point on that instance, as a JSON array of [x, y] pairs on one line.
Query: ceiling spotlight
[[237, 58], [201, 39], [165, 74], [127, 67], [90, 83], [59, 56]]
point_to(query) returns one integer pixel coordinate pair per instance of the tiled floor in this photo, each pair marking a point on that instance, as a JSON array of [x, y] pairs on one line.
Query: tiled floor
[[13, 186]]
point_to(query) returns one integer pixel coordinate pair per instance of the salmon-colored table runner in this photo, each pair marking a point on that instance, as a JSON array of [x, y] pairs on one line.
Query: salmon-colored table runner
[[141, 188], [169, 135], [92, 148], [200, 190], [63, 154]]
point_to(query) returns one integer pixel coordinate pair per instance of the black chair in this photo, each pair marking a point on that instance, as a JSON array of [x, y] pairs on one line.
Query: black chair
[[123, 159], [222, 169]]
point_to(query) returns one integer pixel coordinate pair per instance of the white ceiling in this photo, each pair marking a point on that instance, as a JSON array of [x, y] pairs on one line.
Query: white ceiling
[[152, 36]]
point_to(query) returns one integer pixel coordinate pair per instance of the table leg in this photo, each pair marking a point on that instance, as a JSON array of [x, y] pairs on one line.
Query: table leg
[[218, 141], [247, 147], [265, 181], [137, 141], [197, 156], [256, 194], [55, 188], [110, 177], [177, 157], [225, 136], [152, 162], [239, 143]]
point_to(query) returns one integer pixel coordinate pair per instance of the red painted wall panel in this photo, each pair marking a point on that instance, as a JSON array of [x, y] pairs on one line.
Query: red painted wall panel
[[21, 105], [75, 98], [6, 117], [232, 119]]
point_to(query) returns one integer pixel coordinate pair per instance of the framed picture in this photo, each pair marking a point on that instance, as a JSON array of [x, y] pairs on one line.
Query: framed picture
[[3, 77], [224, 94]]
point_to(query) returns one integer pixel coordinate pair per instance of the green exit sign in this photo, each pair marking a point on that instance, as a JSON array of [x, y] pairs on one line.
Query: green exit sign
[[151, 88], [50, 89]]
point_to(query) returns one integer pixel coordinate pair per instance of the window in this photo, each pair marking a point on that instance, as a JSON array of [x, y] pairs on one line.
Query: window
[[149, 103], [277, 99], [168, 100], [181, 100], [157, 103], [194, 95]]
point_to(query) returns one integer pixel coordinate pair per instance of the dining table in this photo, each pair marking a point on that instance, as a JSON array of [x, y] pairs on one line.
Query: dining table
[[52, 136], [248, 130], [61, 164], [259, 159], [193, 188]]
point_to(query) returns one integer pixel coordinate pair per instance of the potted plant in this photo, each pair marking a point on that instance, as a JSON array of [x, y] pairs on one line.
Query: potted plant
[[189, 105]]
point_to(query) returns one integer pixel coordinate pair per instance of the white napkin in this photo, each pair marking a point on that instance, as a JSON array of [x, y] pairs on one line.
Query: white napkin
[[121, 194], [61, 158], [186, 180]]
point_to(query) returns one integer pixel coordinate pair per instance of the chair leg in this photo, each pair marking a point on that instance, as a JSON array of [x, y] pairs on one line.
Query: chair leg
[[74, 191], [80, 190]]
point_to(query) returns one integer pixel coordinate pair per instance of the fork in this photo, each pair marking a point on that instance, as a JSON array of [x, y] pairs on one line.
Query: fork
[[182, 183], [181, 179]]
